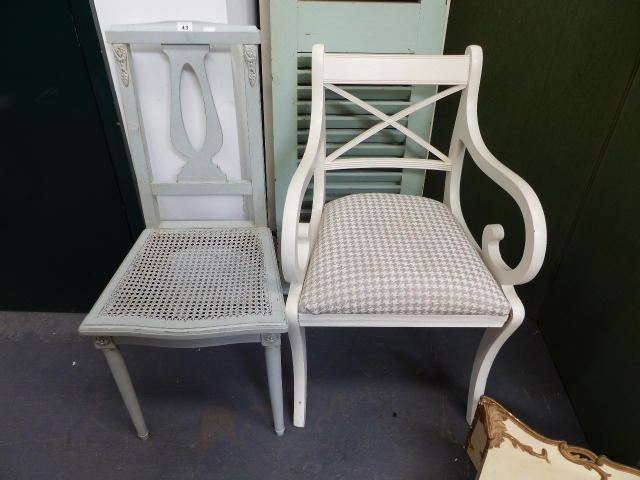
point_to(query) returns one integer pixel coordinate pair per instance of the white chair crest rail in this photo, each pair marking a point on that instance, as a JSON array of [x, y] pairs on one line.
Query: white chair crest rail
[[392, 260], [194, 283]]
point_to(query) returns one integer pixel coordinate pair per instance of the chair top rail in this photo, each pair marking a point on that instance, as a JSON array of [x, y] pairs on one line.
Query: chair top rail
[[204, 33], [387, 69]]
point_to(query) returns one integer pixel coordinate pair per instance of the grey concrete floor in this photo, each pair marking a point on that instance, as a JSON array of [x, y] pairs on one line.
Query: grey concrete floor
[[383, 404]]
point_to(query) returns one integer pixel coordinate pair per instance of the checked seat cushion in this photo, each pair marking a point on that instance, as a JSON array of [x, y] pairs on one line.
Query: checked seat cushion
[[391, 254]]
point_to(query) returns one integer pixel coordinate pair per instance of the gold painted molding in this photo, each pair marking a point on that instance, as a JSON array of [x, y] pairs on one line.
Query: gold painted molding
[[490, 429]]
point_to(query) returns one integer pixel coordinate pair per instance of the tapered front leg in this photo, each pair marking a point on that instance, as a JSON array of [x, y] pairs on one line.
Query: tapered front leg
[[121, 376], [271, 342]]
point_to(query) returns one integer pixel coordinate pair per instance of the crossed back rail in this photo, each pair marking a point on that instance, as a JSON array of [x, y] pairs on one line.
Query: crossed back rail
[[331, 70], [201, 175]]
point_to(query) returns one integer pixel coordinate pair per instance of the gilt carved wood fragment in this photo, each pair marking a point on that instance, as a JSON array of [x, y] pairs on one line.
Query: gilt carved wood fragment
[[529, 455]]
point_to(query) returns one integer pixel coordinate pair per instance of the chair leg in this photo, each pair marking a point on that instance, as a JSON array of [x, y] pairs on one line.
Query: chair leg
[[491, 342], [271, 342], [299, 354], [121, 376]]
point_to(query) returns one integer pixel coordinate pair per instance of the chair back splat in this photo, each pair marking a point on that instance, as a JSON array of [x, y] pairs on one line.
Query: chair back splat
[[186, 282], [375, 259], [200, 175]]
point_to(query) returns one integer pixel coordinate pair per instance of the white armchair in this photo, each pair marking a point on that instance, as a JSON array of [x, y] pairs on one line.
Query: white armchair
[[388, 260]]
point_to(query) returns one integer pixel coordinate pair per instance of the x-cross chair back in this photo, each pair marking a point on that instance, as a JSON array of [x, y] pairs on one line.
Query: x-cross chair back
[[392, 260], [194, 283]]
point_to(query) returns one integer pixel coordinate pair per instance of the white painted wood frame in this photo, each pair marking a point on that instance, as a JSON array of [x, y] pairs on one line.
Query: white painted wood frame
[[456, 73]]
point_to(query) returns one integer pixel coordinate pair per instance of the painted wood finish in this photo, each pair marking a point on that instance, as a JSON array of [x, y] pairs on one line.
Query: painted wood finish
[[160, 302], [503, 447], [556, 74], [299, 237]]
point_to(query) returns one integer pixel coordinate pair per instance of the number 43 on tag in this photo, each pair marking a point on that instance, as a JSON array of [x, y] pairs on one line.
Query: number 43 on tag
[[185, 26]]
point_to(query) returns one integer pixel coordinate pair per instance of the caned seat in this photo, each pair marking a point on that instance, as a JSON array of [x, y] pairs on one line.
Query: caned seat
[[193, 283], [394, 260]]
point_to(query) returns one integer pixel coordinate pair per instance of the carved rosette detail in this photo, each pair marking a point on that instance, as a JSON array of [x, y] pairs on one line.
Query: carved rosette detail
[[120, 52], [271, 337], [102, 341], [251, 58]]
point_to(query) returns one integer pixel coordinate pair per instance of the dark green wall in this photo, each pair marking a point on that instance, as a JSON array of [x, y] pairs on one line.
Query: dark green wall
[[554, 77], [69, 210], [557, 107], [591, 316]]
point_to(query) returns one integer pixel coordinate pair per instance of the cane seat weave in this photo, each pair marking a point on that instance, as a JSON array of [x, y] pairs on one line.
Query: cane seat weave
[[194, 274], [194, 280]]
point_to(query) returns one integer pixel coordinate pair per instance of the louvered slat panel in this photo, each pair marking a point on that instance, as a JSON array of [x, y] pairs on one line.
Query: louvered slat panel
[[393, 92], [365, 150], [345, 120], [344, 107], [345, 134], [380, 27]]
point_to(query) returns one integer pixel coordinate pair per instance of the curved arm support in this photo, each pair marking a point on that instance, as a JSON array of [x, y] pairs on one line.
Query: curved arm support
[[530, 207], [295, 254], [467, 131]]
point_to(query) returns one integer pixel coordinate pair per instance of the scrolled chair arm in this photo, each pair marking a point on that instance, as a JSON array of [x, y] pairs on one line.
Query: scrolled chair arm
[[295, 255], [530, 207], [467, 136]]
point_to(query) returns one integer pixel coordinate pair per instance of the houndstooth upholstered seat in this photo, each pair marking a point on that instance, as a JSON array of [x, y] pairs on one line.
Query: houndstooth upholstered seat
[[396, 254]]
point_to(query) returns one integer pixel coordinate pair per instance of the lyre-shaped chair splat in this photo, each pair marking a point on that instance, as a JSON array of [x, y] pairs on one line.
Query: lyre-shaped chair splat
[[199, 166]]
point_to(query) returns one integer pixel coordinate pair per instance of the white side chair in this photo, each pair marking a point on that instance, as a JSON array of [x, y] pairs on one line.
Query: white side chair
[[194, 283], [391, 260]]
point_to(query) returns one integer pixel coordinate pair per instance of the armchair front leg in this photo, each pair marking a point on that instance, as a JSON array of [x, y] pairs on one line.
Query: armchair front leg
[[490, 345]]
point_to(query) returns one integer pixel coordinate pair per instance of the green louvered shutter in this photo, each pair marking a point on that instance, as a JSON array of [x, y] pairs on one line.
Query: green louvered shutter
[[349, 27]]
